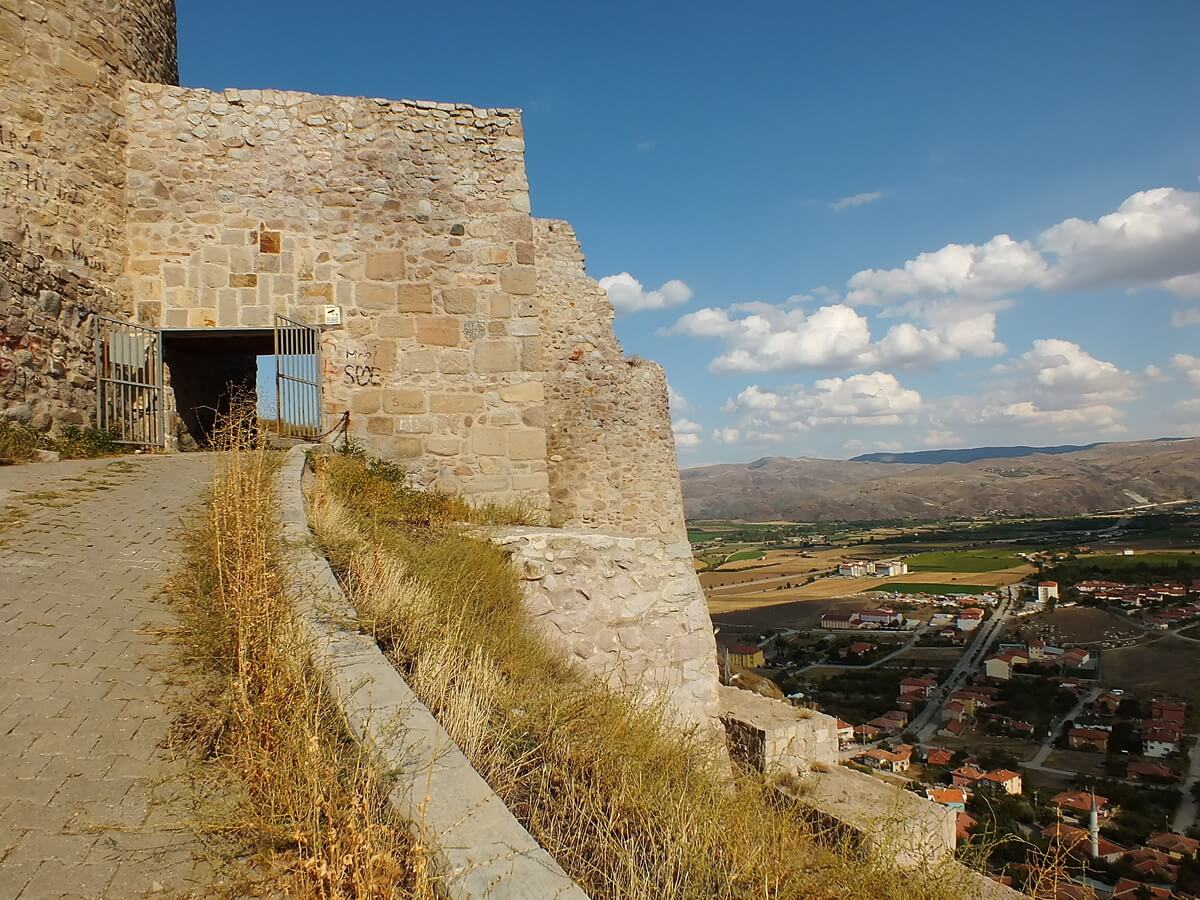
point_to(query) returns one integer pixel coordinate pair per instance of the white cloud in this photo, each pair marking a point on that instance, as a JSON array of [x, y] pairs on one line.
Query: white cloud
[[1186, 287], [939, 439], [857, 200], [1181, 318], [1154, 236], [687, 433], [1056, 385], [1151, 240], [766, 338], [678, 401], [1189, 365], [629, 296], [726, 435], [1064, 373], [968, 271], [872, 399]]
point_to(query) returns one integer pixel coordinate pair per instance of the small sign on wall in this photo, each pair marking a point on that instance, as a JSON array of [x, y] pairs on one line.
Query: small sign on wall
[[333, 315]]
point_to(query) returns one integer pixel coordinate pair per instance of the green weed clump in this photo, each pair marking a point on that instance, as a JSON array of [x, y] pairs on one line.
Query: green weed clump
[[20, 443], [629, 803]]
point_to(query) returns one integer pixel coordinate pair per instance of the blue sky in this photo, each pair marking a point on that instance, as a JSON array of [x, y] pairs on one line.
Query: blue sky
[[777, 165]]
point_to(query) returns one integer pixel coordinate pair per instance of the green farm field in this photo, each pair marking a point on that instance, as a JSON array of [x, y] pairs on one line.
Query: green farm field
[[964, 560], [919, 587]]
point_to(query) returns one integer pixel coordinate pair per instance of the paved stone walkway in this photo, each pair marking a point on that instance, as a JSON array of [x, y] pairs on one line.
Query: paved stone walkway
[[88, 804]]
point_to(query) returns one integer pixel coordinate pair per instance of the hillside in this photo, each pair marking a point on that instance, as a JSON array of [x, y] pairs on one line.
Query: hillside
[[965, 455], [1100, 478]]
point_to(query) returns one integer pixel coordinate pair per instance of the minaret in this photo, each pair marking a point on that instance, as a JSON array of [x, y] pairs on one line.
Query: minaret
[[1094, 827]]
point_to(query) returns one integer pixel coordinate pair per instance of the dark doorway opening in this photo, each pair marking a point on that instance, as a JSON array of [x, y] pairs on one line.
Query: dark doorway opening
[[207, 368]]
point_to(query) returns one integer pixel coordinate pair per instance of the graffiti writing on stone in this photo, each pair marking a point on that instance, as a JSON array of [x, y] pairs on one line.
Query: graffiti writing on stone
[[361, 369]]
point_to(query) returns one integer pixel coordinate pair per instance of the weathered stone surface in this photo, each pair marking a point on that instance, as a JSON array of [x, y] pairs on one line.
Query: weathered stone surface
[[629, 609], [772, 735]]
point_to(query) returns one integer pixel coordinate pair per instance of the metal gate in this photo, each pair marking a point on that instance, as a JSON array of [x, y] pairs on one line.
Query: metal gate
[[129, 372], [297, 378]]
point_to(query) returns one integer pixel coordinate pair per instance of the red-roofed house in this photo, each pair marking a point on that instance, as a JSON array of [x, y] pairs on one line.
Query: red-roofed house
[[1152, 864], [1088, 739], [1077, 842], [965, 776], [938, 757], [968, 619], [1150, 771], [1175, 845], [1160, 738], [1168, 710], [917, 687], [1075, 658], [1001, 665], [860, 648], [953, 728], [845, 733], [1001, 781], [953, 711], [1078, 805], [951, 798]]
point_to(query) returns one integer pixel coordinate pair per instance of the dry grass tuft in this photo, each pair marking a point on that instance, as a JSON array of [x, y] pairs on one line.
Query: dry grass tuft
[[303, 801], [630, 805]]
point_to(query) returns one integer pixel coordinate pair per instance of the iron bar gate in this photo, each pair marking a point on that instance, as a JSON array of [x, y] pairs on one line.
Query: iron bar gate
[[129, 374], [297, 378]]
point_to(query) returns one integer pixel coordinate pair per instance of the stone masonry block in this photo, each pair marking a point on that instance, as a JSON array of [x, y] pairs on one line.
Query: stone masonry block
[[404, 402], [527, 444], [442, 331], [497, 356], [375, 295], [395, 326], [385, 265], [487, 441], [525, 392], [460, 301], [455, 403], [415, 298], [519, 280]]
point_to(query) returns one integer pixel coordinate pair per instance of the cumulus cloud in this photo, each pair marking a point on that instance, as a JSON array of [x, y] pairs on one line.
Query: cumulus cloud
[[1154, 236], [1151, 240], [679, 402], [1189, 366], [726, 435], [760, 337], [869, 399], [856, 200], [1056, 385], [1181, 318], [629, 296], [939, 438], [687, 433], [967, 271]]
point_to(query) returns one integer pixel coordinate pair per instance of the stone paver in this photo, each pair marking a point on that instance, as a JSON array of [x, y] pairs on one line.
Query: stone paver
[[89, 806]]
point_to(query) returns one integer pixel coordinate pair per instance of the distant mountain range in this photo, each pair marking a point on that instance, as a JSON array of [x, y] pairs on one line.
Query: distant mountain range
[[926, 457], [945, 483]]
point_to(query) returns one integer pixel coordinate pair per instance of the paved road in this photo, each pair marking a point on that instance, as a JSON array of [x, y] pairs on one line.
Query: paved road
[[88, 805], [1047, 747], [927, 723]]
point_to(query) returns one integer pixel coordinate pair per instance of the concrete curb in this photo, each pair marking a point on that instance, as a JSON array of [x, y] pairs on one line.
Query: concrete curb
[[482, 850]]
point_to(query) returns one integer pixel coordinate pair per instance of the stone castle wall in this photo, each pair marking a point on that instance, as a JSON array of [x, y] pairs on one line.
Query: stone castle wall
[[47, 366], [63, 71], [612, 454], [412, 217], [629, 610]]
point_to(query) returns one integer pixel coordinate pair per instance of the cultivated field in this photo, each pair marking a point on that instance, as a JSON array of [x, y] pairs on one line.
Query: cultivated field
[[1166, 665], [1077, 625], [991, 560]]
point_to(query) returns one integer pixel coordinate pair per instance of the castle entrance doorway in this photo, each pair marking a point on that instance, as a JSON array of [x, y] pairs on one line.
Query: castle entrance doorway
[[171, 387]]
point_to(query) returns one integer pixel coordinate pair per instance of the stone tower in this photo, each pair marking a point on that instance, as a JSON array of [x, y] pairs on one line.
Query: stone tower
[[64, 67]]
